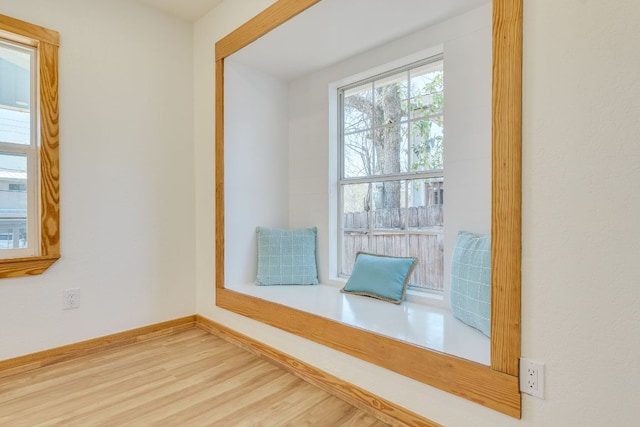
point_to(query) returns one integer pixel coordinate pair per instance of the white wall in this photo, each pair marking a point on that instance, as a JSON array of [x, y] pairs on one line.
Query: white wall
[[256, 158], [580, 232], [127, 181]]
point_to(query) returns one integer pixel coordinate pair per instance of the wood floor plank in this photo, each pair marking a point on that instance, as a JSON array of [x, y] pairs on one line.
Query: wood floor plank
[[190, 378]]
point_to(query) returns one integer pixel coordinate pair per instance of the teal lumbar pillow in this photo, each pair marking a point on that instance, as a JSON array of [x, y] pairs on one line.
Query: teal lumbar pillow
[[471, 281], [380, 276], [286, 257]]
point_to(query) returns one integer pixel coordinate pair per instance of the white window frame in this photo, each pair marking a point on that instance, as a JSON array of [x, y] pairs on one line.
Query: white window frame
[[31, 152], [336, 152]]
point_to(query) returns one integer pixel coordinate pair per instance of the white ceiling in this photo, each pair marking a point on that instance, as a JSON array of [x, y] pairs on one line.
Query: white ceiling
[[334, 30], [317, 37], [189, 10]]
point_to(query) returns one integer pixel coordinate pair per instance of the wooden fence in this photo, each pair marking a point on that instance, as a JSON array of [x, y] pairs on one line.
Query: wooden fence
[[388, 232]]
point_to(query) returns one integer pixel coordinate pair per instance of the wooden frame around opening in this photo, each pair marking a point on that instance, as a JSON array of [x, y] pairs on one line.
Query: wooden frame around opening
[[46, 42], [494, 386]]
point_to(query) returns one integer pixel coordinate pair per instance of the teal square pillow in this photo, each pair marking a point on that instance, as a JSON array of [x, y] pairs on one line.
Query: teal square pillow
[[380, 276], [286, 257], [471, 281]]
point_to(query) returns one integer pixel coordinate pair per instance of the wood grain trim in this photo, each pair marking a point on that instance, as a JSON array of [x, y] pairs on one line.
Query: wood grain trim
[[46, 42], [496, 386], [28, 33], [506, 185], [219, 173], [380, 408], [83, 348], [279, 12], [49, 153], [470, 380], [32, 266]]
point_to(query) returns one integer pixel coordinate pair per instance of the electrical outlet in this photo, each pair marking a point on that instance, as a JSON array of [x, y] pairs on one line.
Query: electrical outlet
[[532, 378], [70, 298]]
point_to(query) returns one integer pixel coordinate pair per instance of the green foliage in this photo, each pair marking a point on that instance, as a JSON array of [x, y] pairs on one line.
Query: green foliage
[[428, 145]]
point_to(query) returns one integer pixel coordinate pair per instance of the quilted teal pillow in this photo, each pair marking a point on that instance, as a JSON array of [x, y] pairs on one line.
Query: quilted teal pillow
[[471, 281], [380, 276], [287, 257]]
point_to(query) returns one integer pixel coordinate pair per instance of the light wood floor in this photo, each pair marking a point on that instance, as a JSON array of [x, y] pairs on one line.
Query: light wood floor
[[189, 379]]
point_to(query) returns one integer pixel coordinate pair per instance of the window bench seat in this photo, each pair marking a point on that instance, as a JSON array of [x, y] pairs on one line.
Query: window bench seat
[[421, 324]]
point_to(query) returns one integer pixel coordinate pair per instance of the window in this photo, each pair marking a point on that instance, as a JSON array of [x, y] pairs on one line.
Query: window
[[18, 151], [29, 167], [391, 184]]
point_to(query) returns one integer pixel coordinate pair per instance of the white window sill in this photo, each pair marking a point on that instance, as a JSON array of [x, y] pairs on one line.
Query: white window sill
[[415, 322]]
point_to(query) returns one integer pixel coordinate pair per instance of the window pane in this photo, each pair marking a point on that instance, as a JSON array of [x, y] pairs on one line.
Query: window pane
[[13, 201], [358, 154], [356, 199], [425, 226], [390, 96], [425, 203], [391, 150], [15, 95], [388, 218], [388, 205], [358, 108], [427, 147], [355, 223], [427, 90]]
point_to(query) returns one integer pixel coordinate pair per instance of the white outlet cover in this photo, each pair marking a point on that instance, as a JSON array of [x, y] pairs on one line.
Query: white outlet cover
[[70, 298], [526, 365]]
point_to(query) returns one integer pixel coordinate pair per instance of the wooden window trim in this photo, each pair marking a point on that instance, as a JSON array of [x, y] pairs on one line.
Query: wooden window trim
[[46, 42], [495, 386]]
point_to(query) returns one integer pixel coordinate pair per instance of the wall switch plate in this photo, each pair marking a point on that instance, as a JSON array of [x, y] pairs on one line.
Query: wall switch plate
[[70, 298], [532, 378]]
